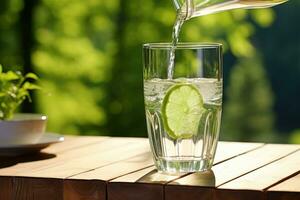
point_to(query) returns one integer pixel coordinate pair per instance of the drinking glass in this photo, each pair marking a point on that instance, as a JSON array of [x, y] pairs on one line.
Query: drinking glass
[[183, 112]]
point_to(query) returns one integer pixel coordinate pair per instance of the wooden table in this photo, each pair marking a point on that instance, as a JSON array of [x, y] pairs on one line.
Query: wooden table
[[103, 168]]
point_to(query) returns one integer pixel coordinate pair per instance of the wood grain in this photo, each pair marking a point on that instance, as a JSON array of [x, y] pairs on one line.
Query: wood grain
[[105, 155], [11, 167], [125, 191], [84, 189], [33, 188], [173, 192], [240, 165], [97, 185], [271, 173], [117, 169], [283, 195], [73, 142], [224, 152], [66, 156], [103, 168], [179, 192], [239, 195], [143, 183], [6, 188], [150, 175], [291, 184], [27, 166], [227, 150], [226, 171]]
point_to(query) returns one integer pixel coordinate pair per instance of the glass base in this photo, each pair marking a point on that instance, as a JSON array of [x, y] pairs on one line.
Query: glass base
[[179, 166]]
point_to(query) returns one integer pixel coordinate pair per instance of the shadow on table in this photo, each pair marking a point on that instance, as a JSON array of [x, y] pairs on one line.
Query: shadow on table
[[153, 177], [7, 161], [206, 178]]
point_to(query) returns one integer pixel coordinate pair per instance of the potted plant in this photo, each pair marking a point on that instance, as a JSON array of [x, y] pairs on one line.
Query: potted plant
[[18, 129]]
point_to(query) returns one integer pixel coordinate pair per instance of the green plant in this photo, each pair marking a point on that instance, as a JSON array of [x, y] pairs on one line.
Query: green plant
[[14, 89]]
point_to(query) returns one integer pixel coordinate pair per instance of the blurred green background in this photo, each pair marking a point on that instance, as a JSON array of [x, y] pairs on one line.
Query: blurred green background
[[88, 56]]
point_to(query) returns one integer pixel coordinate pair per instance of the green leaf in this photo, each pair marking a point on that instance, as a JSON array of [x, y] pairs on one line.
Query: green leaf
[[22, 93], [9, 76], [30, 86], [0, 68], [32, 76]]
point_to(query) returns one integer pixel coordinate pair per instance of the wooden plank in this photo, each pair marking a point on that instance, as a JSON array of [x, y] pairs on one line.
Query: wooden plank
[[135, 191], [72, 142], [223, 154], [33, 163], [61, 146], [27, 167], [76, 184], [150, 175], [104, 155], [10, 165], [31, 188], [290, 185], [189, 192], [6, 188], [288, 189], [84, 189], [283, 195], [231, 169], [260, 179], [52, 154], [117, 169], [227, 150], [271, 174], [240, 165], [130, 172], [143, 183], [238, 195]]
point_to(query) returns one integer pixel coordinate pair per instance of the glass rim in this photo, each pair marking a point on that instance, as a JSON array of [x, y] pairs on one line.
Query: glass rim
[[183, 45]]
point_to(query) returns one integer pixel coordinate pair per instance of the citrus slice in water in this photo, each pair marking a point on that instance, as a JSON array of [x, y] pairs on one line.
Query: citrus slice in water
[[181, 110]]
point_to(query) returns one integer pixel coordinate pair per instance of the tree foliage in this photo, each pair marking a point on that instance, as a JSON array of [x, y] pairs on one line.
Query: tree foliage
[[9, 45], [248, 109], [74, 55]]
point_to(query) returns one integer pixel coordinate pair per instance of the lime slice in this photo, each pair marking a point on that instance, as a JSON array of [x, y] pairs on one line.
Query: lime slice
[[181, 110]]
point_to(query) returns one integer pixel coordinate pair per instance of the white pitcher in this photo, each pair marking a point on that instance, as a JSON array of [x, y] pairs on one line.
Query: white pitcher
[[195, 8]]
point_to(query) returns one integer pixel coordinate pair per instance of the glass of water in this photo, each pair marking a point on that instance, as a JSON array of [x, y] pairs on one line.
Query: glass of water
[[183, 111]]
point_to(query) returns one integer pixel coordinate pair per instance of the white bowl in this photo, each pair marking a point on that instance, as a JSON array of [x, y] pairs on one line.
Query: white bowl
[[22, 129]]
